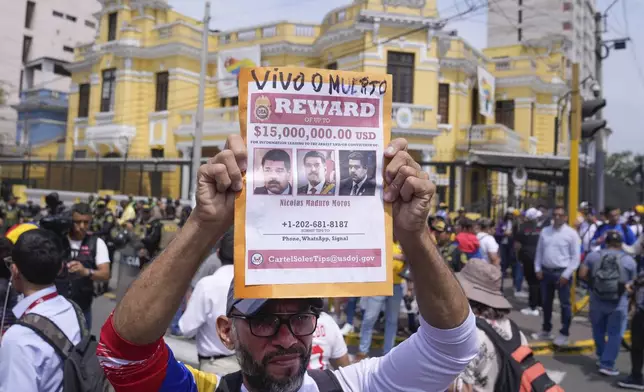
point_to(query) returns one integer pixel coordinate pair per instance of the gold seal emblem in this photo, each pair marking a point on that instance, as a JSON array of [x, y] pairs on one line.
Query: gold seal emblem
[[262, 108]]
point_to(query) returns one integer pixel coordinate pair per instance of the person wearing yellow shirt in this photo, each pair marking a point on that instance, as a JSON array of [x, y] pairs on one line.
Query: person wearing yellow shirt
[[373, 306]]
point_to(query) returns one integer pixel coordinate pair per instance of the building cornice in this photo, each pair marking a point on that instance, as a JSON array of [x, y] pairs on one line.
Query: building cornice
[[534, 82], [287, 48], [337, 37], [396, 20]]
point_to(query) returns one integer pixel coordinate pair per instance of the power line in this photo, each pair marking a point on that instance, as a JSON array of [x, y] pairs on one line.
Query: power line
[[633, 50]]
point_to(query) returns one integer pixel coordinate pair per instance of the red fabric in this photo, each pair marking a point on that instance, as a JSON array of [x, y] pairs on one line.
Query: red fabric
[[467, 242], [131, 367]]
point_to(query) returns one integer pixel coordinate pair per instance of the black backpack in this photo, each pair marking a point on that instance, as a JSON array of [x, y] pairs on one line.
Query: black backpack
[[325, 380], [519, 371], [608, 277], [81, 369]]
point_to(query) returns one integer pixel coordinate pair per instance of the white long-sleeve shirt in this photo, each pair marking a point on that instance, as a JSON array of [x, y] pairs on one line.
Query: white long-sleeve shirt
[[207, 302], [558, 248], [428, 361]]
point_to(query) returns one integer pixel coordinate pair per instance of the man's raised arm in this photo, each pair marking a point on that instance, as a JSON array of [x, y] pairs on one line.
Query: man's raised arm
[[146, 310], [441, 300], [446, 341]]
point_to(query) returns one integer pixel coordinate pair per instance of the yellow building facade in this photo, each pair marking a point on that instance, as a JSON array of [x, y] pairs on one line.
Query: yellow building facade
[[135, 88]]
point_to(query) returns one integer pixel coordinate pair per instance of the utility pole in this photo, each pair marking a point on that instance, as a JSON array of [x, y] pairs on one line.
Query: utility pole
[[640, 170], [575, 136], [573, 170], [196, 149], [601, 137]]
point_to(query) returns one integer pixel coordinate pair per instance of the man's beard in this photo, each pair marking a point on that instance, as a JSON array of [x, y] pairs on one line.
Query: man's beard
[[256, 374]]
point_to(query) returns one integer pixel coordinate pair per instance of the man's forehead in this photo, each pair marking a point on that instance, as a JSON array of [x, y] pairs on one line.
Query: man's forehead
[[285, 306], [313, 160], [274, 163]]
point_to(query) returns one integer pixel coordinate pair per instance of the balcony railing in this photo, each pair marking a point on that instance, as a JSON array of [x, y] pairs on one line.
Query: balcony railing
[[304, 31], [216, 120], [495, 137], [51, 98], [177, 32], [406, 115], [270, 31], [84, 49]]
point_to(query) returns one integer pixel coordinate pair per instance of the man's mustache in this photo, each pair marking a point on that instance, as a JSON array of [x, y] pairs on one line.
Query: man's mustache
[[301, 351], [276, 183]]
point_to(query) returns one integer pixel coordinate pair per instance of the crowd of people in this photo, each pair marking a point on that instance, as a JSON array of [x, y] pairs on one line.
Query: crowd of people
[[57, 259]]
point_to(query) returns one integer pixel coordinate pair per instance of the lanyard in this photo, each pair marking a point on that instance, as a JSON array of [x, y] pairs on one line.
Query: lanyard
[[41, 300]]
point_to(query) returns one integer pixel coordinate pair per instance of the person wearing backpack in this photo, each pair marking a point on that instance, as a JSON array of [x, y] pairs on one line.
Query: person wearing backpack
[[467, 242], [505, 362], [27, 361], [608, 271]]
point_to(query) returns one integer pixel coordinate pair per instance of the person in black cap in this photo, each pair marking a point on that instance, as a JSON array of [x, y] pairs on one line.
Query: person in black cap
[[609, 271], [273, 338]]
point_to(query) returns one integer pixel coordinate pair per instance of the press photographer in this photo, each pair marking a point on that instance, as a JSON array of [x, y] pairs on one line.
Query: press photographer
[[89, 262]]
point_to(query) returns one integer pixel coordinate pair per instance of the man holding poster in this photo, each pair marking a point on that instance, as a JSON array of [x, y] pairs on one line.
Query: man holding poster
[[273, 338]]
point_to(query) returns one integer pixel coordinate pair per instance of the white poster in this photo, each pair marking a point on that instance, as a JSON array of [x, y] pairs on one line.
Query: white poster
[[314, 205], [229, 64], [486, 92]]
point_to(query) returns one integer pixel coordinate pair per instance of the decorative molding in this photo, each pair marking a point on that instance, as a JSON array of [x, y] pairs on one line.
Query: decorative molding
[[387, 18], [161, 119], [424, 59], [428, 134], [466, 66], [430, 148], [128, 75], [95, 79], [534, 82], [287, 48], [405, 3], [337, 37], [116, 137]]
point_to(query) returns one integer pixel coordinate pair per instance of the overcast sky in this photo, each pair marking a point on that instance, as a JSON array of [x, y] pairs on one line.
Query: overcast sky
[[623, 70]]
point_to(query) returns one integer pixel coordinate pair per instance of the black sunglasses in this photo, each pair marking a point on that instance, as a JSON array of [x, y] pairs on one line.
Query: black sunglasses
[[267, 325]]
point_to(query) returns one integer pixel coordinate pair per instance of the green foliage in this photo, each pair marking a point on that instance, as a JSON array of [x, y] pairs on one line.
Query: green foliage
[[623, 165]]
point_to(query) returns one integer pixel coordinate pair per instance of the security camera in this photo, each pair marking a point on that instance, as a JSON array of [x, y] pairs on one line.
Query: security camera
[[596, 89]]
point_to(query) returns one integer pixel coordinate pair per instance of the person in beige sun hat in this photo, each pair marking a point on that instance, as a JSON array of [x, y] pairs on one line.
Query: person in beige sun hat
[[481, 282], [498, 336]]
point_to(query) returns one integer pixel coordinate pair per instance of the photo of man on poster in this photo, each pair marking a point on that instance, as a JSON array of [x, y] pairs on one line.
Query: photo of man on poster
[[274, 166], [357, 173], [319, 167]]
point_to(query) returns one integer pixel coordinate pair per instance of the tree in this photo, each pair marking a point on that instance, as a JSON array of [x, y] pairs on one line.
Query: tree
[[623, 165]]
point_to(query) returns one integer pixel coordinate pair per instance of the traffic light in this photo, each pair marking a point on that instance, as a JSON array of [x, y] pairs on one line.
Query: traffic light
[[588, 109]]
